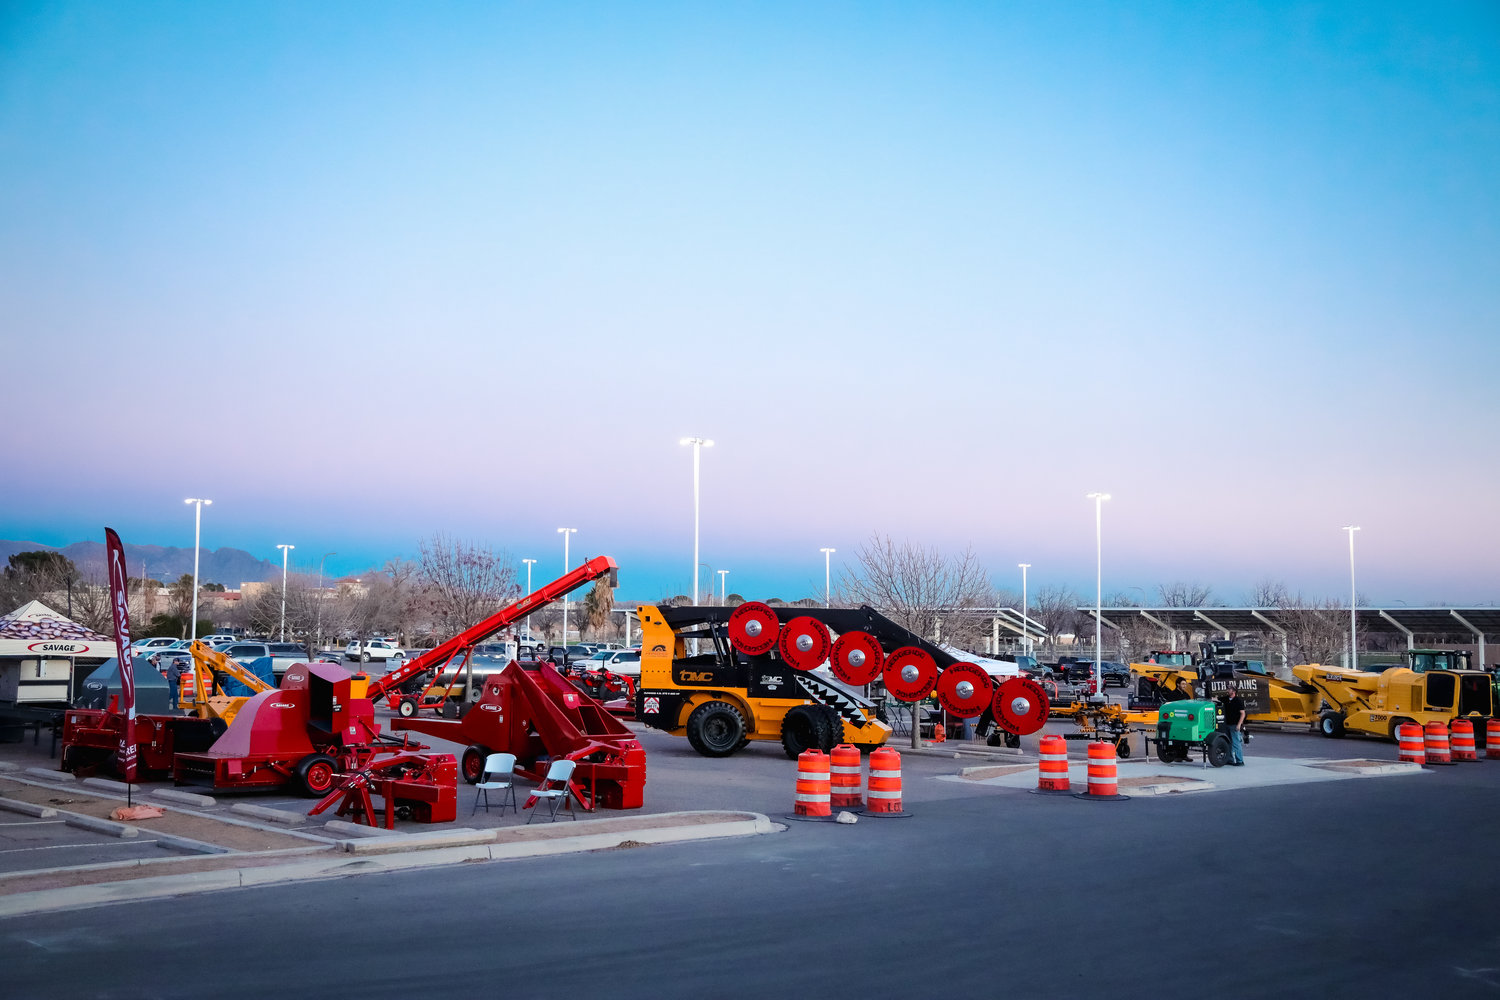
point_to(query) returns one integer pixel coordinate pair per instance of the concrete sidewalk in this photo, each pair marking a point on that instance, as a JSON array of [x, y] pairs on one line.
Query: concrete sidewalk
[[1151, 777]]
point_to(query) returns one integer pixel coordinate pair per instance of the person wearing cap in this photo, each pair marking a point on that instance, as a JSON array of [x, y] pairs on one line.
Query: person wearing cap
[[1234, 721], [175, 671]]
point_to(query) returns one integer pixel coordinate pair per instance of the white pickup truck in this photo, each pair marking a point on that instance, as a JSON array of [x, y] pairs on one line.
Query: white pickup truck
[[373, 649]]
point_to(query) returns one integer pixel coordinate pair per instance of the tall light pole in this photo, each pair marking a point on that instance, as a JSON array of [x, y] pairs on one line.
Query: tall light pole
[[197, 540], [529, 563], [1353, 662], [698, 445], [1025, 619], [318, 639], [723, 589], [565, 532], [1098, 499], [827, 577], [284, 550]]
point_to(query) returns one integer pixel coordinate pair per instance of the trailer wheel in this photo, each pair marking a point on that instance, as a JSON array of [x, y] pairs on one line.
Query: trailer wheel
[[472, 763], [1331, 724], [316, 773], [1122, 748], [715, 729], [804, 728], [406, 708], [1217, 749]]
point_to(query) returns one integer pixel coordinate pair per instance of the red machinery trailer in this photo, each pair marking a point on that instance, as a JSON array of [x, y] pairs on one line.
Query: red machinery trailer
[[91, 740], [438, 659], [532, 711], [310, 731]]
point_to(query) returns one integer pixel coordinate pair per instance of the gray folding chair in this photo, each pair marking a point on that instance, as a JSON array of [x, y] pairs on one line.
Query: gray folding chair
[[554, 787], [499, 772]]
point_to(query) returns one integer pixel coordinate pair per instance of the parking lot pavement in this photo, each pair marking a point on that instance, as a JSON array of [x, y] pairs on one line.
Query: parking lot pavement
[[28, 844]]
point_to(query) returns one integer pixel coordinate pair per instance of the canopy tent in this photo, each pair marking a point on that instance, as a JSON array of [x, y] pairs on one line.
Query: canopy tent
[[35, 630]]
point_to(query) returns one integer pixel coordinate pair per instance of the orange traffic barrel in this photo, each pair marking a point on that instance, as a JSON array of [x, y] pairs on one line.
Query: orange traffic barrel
[[1409, 738], [1462, 740], [1052, 772], [1437, 744], [847, 779], [1103, 782], [812, 784], [884, 790], [1492, 739]]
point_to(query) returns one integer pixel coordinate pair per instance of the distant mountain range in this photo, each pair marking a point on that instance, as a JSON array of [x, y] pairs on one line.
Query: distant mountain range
[[231, 567]]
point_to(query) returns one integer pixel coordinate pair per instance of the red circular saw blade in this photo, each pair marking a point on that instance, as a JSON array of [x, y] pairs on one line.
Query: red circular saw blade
[[1020, 706], [952, 684], [804, 643], [909, 674], [753, 627], [857, 658]]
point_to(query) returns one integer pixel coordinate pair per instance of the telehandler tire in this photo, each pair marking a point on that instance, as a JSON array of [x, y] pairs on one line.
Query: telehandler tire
[[1217, 749], [835, 728], [715, 729], [1331, 724], [804, 728]]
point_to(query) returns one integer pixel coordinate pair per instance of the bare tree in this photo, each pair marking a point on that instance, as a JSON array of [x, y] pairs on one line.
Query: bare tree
[[1181, 594], [915, 586], [464, 583], [1056, 607]]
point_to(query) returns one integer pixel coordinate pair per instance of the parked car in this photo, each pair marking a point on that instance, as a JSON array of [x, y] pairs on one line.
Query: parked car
[[145, 647], [373, 649], [217, 638], [288, 649], [619, 661]]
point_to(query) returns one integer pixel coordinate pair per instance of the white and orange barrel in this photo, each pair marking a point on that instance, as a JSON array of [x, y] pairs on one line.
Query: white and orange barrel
[[1052, 772], [1492, 739], [847, 781], [1409, 738], [812, 784], [1461, 740], [885, 781], [1102, 777], [1437, 744]]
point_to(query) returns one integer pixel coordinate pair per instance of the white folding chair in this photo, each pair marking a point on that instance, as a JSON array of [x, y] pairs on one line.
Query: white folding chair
[[554, 787], [499, 772]]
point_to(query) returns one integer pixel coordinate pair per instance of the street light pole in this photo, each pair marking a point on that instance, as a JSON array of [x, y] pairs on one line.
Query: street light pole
[[529, 563], [698, 445], [197, 541], [565, 532], [284, 550], [1025, 618], [827, 577], [1353, 663], [723, 589], [1098, 499], [318, 639]]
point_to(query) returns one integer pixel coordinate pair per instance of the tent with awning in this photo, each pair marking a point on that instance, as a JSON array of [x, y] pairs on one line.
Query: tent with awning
[[35, 630]]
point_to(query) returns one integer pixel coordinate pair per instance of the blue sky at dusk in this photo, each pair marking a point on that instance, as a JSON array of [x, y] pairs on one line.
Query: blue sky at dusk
[[365, 272]]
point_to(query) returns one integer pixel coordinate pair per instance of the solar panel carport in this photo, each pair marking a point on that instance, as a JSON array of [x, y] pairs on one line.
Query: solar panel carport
[[1454, 625]]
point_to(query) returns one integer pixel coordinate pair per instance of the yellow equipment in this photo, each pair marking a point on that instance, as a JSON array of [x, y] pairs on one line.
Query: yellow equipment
[[1378, 703], [1267, 698], [197, 687], [721, 699], [1107, 722]]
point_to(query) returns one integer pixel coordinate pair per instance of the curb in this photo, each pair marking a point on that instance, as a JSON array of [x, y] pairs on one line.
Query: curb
[[75, 897], [106, 826], [27, 808], [185, 798], [267, 813], [52, 776]]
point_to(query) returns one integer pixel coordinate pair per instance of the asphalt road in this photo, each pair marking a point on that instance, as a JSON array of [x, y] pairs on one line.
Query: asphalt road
[[1376, 886]]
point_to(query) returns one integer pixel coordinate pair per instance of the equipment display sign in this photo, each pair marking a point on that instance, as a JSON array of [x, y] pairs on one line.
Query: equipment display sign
[[1254, 689], [119, 601]]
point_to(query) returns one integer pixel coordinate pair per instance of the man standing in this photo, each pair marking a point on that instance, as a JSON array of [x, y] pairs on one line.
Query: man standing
[[175, 671], [1234, 719]]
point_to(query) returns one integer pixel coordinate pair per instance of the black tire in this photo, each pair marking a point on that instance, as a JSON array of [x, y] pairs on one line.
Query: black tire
[[715, 729], [1398, 722], [1012, 740], [1122, 749], [1164, 752], [1331, 724], [804, 728], [835, 728], [406, 708], [364, 657], [316, 775], [1217, 748], [471, 763]]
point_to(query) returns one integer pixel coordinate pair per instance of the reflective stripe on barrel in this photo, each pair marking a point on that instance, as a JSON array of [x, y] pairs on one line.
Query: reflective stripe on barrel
[[1437, 744], [812, 784], [1102, 779], [844, 769], [1052, 772], [1462, 742], [1492, 739], [884, 792], [1409, 736]]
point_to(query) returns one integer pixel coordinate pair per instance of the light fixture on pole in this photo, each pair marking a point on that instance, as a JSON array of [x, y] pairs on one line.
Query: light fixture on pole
[[1353, 662], [827, 577], [284, 550], [197, 536], [529, 563], [318, 639], [1098, 499], [723, 573], [698, 445], [1025, 619], [565, 532]]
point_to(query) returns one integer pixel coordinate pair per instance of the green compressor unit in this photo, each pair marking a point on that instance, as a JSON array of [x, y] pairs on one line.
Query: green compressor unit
[[1185, 726]]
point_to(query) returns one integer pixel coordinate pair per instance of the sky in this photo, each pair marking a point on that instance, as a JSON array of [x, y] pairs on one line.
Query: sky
[[363, 273]]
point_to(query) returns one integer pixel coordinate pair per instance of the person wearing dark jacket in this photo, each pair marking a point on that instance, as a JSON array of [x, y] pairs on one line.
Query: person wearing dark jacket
[[1234, 721]]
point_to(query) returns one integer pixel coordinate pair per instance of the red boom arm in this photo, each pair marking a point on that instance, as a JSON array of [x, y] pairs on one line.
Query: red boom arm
[[535, 601]]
